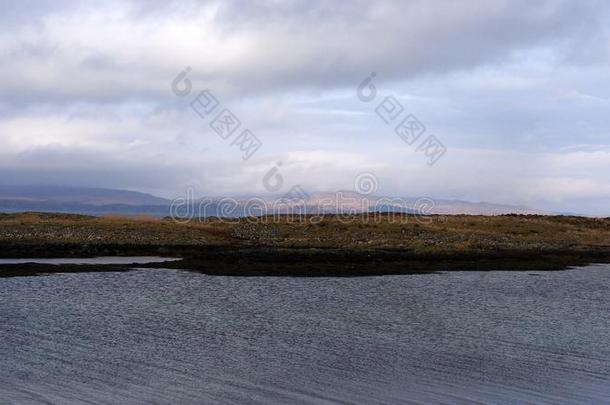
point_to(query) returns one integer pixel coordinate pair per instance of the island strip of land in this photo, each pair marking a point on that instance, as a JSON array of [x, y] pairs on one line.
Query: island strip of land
[[307, 245]]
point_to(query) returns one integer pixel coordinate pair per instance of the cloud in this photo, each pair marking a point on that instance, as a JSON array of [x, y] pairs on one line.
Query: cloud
[[118, 52], [516, 90]]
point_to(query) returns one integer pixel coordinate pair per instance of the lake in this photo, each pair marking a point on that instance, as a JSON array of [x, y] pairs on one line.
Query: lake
[[169, 337]]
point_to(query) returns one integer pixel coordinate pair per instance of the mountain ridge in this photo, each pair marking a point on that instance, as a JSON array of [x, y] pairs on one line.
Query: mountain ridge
[[104, 201]]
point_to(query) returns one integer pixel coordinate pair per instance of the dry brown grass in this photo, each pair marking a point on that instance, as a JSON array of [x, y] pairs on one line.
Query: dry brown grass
[[419, 234]]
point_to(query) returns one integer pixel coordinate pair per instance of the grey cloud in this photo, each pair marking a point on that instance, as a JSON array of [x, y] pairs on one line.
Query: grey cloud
[[282, 45], [78, 167]]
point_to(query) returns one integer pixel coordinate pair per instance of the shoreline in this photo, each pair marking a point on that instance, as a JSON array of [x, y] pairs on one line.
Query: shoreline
[[332, 246], [293, 262]]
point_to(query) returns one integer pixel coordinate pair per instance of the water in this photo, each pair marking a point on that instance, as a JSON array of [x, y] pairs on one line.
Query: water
[[166, 336], [94, 260]]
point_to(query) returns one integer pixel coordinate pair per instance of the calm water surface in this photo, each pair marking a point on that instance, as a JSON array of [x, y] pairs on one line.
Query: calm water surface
[[94, 260], [174, 337]]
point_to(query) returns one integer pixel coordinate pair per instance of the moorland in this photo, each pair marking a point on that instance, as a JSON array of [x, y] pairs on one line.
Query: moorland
[[328, 245]]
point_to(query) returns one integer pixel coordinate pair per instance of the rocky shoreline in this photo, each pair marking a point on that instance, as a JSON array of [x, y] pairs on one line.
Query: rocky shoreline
[[296, 262], [254, 247]]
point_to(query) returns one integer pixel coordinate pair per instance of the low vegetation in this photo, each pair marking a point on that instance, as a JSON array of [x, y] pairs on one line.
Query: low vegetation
[[383, 238]]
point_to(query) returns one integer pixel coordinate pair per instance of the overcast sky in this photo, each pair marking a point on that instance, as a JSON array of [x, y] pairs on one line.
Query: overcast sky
[[516, 91]]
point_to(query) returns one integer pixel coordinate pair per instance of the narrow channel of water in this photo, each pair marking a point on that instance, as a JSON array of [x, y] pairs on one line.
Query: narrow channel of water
[[93, 260]]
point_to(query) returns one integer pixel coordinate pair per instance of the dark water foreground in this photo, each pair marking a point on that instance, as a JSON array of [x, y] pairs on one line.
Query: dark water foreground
[[168, 336]]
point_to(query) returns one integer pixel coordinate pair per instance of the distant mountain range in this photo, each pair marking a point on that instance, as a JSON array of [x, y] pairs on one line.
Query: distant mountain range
[[351, 201], [81, 200], [101, 201], [88, 196]]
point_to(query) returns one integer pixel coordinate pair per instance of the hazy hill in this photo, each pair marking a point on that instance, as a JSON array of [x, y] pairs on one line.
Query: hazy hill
[[82, 195], [349, 200], [101, 201]]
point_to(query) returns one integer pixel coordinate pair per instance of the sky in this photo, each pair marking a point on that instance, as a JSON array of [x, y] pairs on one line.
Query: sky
[[511, 98]]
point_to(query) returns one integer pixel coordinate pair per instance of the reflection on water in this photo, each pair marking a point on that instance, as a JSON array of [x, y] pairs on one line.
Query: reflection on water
[[167, 336], [94, 260]]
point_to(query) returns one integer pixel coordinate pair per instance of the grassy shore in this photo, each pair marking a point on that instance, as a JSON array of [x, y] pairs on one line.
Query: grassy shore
[[314, 246]]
